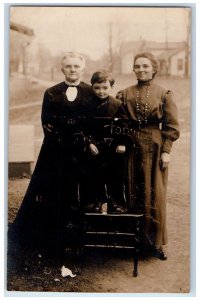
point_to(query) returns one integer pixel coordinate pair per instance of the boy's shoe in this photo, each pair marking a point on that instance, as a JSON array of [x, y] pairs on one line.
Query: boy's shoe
[[97, 207], [114, 208], [93, 207], [88, 208]]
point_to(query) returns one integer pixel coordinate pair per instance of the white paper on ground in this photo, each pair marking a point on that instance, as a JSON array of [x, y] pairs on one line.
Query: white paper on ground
[[66, 272]]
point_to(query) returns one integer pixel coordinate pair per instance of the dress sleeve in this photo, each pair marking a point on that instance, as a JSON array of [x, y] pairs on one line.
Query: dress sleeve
[[121, 95], [170, 125], [124, 138], [46, 115]]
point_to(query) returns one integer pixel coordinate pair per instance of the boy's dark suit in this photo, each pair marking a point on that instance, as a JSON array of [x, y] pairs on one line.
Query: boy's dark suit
[[107, 168]]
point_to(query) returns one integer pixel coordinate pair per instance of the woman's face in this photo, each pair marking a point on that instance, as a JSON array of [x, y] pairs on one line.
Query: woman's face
[[143, 69], [72, 68]]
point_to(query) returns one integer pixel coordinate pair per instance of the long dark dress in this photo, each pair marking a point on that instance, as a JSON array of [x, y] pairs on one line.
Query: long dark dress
[[153, 127], [53, 195]]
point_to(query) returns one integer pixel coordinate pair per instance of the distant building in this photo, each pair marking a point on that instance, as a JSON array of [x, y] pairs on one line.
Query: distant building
[[28, 56], [20, 38], [21, 29], [174, 57], [174, 63]]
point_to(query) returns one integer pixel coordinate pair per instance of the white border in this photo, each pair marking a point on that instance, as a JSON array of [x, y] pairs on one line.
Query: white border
[[195, 149]]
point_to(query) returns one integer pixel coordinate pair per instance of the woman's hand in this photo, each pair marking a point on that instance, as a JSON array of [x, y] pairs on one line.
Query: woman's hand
[[48, 127], [164, 160], [93, 149], [120, 149]]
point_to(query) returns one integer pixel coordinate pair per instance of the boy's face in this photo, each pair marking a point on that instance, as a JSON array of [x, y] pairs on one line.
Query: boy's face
[[102, 90]]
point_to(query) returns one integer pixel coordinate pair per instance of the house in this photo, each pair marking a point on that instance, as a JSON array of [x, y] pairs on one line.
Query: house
[[174, 63], [174, 57], [20, 40]]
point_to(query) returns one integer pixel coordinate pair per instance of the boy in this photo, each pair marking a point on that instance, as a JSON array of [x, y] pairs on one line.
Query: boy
[[106, 149]]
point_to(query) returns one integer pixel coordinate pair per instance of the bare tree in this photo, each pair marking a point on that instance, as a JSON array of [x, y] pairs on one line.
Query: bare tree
[[115, 37]]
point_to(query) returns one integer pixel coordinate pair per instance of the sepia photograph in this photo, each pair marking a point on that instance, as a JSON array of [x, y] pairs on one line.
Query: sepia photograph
[[99, 131]]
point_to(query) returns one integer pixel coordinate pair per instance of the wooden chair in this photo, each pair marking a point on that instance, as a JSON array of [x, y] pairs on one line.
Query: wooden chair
[[121, 231]]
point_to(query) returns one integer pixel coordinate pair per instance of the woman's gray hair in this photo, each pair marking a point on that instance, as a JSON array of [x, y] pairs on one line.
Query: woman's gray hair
[[151, 57], [73, 55]]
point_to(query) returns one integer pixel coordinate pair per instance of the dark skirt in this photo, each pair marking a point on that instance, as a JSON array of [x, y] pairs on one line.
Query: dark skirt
[[147, 183], [50, 209]]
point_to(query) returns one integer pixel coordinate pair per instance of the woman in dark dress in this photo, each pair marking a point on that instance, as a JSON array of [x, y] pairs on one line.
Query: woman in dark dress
[[52, 201], [153, 127]]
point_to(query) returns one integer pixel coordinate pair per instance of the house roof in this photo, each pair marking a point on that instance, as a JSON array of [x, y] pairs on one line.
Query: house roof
[[143, 45], [169, 53], [21, 28]]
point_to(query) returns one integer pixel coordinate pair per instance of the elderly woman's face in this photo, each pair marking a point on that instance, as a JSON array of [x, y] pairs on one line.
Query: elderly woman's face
[[143, 69], [72, 68]]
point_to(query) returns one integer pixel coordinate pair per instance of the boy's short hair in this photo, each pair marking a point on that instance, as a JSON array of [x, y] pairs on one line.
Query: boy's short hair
[[102, 76], [73, 55]]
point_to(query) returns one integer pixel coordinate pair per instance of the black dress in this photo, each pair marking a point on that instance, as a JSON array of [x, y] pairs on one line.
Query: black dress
[[52, 199]]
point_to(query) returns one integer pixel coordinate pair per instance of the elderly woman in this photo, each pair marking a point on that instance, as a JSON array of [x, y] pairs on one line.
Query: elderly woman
[[52, 201], [153, 124]]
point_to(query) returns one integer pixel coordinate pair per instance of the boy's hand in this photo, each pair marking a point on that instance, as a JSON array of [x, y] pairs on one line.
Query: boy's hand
[[164, 160], [120, 149], [93, 149]]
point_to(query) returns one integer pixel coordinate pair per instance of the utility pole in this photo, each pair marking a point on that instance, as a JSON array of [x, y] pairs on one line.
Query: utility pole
[[110, 41]]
